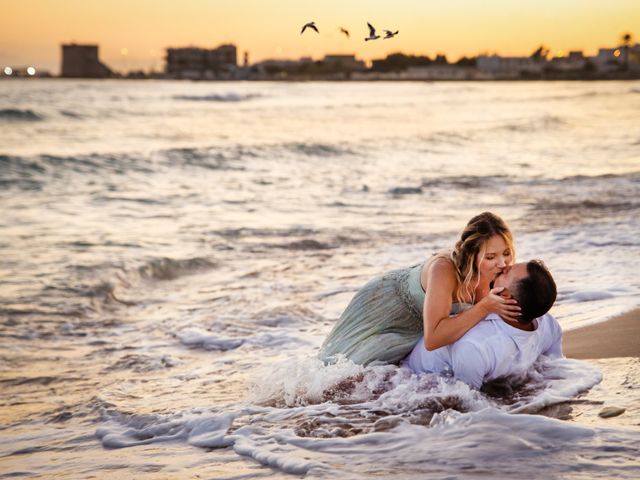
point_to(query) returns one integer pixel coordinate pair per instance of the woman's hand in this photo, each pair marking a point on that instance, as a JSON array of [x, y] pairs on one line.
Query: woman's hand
[[504, 305]]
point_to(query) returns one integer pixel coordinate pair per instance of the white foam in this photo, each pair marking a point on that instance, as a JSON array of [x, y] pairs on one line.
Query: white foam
[[564, 378], [590, 296], [202, 429], [298, 381]]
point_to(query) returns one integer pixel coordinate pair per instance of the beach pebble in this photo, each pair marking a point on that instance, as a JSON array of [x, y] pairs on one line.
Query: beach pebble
[[608, 412]]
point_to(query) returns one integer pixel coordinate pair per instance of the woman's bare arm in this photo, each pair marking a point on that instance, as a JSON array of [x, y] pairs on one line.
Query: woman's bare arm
[[440, 329]]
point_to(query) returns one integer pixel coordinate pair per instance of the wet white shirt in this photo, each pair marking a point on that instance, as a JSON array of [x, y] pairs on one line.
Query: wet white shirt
[[490, 350]]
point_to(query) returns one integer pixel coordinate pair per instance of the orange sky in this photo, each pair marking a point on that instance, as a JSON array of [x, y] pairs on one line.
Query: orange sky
[[134, 33]]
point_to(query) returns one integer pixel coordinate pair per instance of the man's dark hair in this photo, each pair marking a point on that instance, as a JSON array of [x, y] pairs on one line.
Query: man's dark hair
[[536, 292]]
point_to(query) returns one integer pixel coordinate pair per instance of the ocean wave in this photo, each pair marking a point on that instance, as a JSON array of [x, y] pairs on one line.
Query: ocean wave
[[305, 244], [170, 269], [588, 94], [633, 176], [216, 97], [544, 122], [195, 338], [212, 158], [589, 296], [616, 205], [201, 339], [21, 173], [402, 191], [317, 149], [455, 138], [264, 232], [344, 415], [142, 363], [464, 181], [56, 166], [102, 293], [118, 286], [19, 115], [292, 316], [70, 114], [32, 172], [43, 380]]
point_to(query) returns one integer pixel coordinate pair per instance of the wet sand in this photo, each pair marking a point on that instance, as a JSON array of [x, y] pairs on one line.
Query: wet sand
[[618, 337], [614, 347]]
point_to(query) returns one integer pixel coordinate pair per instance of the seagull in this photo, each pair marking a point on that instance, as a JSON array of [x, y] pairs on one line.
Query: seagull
[[390, 34], [345, 31], [310, 25], [372, 33]]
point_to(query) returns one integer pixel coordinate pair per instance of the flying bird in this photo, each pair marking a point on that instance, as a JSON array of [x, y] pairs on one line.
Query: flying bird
[[372, 33], [390, 34], [310, 25], [345, 31]]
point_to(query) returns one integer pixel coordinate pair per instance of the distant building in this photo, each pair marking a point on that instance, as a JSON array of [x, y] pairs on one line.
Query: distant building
[[346, 62], [279, 69], [573, 62], [201, 63], [81, 61], [495, 66], [634, 57], [609, 59], [440, 72]]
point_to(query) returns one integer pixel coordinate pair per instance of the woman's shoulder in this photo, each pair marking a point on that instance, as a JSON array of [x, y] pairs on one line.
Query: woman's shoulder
[[440, 263], [439, 266]]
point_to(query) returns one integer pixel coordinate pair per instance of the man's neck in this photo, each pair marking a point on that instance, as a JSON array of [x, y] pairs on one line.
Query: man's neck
[[528, 327]]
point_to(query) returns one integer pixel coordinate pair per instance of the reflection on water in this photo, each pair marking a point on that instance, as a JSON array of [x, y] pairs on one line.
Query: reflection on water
[[173, 253]]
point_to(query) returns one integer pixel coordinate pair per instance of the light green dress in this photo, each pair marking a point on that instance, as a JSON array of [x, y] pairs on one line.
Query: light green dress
[[383, 321]]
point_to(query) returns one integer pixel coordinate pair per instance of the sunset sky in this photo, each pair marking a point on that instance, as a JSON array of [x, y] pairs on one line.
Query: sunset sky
[[133, 34]]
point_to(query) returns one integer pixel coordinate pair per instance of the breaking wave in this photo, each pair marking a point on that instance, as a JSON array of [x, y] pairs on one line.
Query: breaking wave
[[544, 122], [170, 269], [19, 115], [224, 98]]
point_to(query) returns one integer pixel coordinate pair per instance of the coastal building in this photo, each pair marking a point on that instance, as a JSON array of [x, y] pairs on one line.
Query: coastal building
[[201, 63], [344, 62], [620, 58], [440, 72], [498, 67], [634, 57], [573, 62], [609, 59], [81, 61]]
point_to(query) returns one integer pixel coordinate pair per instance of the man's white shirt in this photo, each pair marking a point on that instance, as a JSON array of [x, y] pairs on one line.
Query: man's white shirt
[[490, 350]]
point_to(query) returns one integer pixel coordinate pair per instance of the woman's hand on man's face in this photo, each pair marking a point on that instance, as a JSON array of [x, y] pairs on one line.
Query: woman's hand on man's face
[[500, 301]]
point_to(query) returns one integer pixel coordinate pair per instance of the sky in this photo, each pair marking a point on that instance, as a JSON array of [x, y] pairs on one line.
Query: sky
[[133, 34]]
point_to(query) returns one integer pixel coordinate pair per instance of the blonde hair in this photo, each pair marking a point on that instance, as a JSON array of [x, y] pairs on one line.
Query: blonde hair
[[470, 249]]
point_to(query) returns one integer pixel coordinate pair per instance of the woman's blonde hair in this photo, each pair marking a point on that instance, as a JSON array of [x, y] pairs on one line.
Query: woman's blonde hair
[[470, 249]]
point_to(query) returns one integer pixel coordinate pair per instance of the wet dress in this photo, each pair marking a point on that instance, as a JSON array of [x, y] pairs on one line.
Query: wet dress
[[383, 321]]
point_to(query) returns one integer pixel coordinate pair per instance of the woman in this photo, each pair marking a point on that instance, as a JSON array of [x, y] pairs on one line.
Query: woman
[[386, 318]]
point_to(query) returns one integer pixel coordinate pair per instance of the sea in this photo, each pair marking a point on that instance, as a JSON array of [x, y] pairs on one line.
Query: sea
[[173, 253]]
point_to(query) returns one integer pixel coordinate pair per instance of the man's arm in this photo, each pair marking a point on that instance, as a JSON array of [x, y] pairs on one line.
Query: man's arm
[[470, 363]]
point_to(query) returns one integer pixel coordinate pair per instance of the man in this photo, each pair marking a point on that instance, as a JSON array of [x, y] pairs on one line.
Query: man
[[496, 347]]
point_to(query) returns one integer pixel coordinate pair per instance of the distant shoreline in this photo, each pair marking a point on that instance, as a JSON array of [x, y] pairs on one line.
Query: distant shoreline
[[334, 80]]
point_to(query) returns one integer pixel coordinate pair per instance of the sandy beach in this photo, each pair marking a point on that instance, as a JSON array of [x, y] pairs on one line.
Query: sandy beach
[[614, 347], [618, 337]]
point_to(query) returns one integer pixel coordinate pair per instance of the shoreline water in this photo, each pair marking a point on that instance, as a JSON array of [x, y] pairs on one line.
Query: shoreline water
[[163, 268]]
